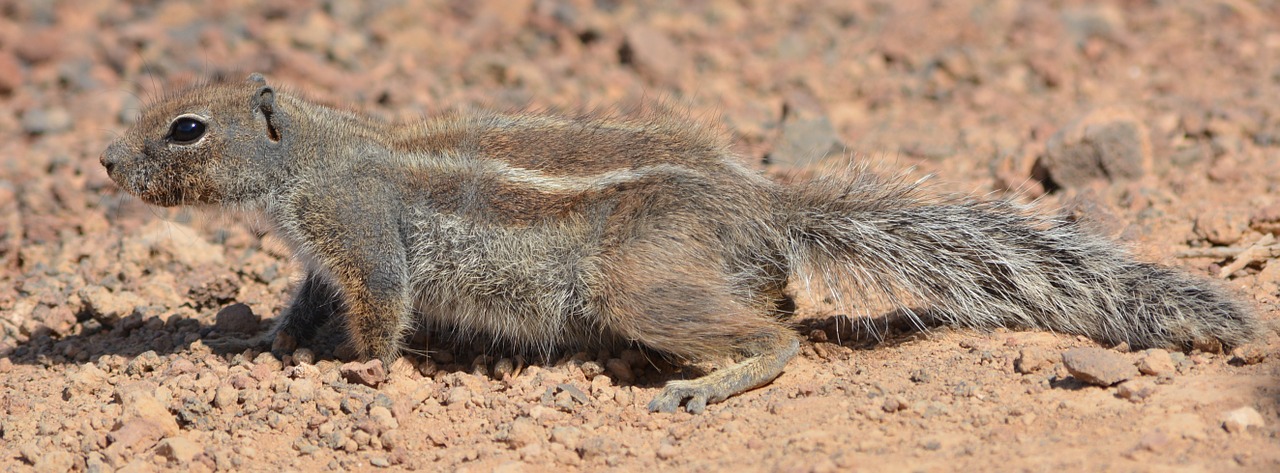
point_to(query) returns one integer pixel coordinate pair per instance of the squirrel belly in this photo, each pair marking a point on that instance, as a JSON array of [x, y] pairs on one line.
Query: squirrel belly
[[548, 232]]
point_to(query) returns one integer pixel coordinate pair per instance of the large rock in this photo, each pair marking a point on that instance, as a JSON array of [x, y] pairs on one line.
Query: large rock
[[1098, 366], [1102, 145]]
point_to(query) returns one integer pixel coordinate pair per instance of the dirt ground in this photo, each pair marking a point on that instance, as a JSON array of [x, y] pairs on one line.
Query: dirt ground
[[1159, 122]]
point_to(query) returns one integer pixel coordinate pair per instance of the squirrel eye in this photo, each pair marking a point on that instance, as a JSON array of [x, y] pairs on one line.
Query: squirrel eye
[[186, 130]]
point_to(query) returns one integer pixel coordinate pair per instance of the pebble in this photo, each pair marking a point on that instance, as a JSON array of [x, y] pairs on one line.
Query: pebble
[[42, 121], [1221, 227], [652, 54], [179, 449], [1251, 354], [1031, 360], [383, 418], [108, 307], [667, 451], [457, 396], [237, 318], [1186, 425], [55, 462], [1136, 390], [304, 356], [370, 373], [226, 397], [591, 369], [503, 369], [1102, 145], [523, 432], [1156, 362], [567, 435], [620, 370], [140, 404], [10, 73], [40, 45], [1239, 420], [598, 447], [1098, 366], [302, 390], [145, 362], [805, 141]]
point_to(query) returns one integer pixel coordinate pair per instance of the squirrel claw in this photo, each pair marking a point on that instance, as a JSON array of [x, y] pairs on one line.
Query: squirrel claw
[[678, 391]]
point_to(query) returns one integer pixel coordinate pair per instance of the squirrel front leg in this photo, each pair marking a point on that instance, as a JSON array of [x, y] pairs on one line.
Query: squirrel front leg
[[357, 244], [374, 284]]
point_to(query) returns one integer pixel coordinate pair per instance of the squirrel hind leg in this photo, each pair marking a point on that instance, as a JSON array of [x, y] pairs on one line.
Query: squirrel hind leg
[[756, 370]]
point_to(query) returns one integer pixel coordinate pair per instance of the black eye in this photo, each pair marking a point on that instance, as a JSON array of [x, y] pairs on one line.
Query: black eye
[[186, 130]]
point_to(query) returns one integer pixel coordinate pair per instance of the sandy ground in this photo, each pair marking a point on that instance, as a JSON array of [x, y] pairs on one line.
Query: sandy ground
[[105, 302]]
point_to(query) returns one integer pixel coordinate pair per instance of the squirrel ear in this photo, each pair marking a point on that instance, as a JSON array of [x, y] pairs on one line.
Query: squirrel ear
[[265, 99]]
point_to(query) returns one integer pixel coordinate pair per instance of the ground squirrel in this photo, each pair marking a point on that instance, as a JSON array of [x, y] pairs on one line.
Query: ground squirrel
[[546, 232]]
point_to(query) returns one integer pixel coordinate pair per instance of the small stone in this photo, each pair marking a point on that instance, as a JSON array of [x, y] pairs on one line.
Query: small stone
[[304, 356], [1136, 390], [370, 373], [1098, 366], [1249, 354], [10, 73], [46, 120], [302, 390], [1221, 227], [591, 369], [598, 447], [620, 370], [667, 451], [226, 397], [383, 418], [1155, 442], [30, 452], [237, 318], [182, 366], [55, 462], [652, 54], [457, 396], [108, 307], [1031, 360], [140, 404], [145, 362], [1241, 419], [40, 45], [894, 404], [569, 436], [1103, 145], [379, 461], [523, 431], [503, 369], [179, 449], [1156, 362], [1186, 425], [805, 141]]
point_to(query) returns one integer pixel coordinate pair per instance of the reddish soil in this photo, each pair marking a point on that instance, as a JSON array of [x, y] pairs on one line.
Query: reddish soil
[[105, 302]]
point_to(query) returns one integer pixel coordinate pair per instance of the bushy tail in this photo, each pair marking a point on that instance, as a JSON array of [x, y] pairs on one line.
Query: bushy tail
[[992, 263]]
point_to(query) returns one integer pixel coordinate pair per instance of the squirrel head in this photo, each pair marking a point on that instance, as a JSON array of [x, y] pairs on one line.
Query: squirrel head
[[214, 144]]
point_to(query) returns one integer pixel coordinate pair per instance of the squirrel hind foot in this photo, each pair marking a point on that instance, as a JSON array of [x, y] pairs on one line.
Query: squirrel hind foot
[[753, 372], [239, 345]]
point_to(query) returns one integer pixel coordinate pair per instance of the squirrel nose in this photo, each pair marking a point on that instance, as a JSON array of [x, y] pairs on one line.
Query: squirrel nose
[[107, 162]]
